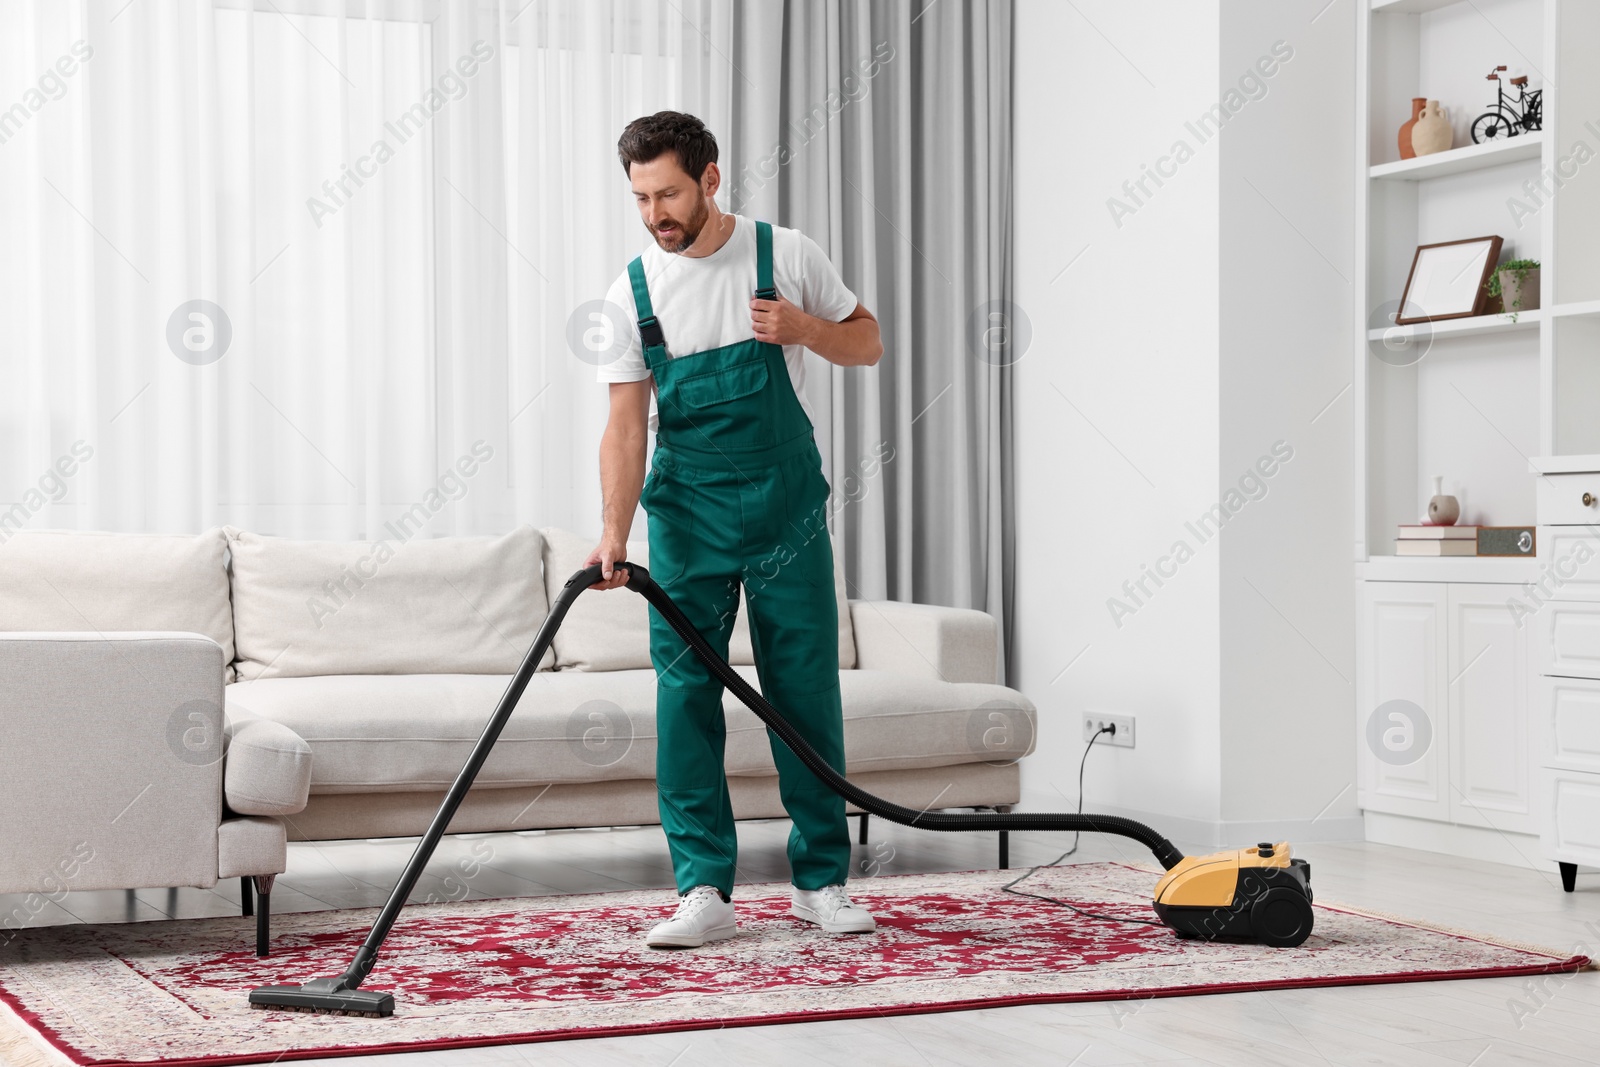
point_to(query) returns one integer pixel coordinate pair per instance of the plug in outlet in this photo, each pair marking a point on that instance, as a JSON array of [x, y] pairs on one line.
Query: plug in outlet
[[1093, 721]]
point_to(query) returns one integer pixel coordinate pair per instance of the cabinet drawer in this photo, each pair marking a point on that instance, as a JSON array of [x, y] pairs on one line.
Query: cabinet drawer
[[1570, 732], [1571, 828], [1560, 499], [1569, 564], [1569, 642]]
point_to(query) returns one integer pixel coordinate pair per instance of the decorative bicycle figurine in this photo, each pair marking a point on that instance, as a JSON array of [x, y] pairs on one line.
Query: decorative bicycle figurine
[[1507, 117]]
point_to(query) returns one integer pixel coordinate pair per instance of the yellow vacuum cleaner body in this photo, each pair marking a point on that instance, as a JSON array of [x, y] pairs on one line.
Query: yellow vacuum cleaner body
[[1259, 894]]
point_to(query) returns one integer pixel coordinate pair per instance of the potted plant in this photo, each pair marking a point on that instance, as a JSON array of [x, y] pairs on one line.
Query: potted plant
[[1516, 282]]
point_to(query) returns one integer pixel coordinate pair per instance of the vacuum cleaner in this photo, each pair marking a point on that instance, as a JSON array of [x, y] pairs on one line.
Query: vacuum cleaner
[[1260, 894]]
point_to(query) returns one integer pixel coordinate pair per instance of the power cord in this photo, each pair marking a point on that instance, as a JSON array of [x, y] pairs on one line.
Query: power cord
[[1009, 887]]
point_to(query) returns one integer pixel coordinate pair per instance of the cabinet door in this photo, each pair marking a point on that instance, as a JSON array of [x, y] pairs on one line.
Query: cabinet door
[[1491, 780], [1402, 660]]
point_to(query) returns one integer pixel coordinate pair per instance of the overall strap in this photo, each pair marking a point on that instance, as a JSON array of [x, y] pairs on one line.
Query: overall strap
[[650, 335], [764, 289]]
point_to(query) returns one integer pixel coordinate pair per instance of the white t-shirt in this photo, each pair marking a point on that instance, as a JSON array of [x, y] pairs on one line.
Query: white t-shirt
[[704, 303]]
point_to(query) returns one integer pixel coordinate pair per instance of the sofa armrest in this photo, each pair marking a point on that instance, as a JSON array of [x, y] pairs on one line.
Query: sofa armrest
[[268, 767], [113, 760], [952, 644]]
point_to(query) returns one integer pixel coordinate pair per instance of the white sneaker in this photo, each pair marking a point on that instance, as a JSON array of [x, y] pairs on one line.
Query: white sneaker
[[702, 916], [832, 909]]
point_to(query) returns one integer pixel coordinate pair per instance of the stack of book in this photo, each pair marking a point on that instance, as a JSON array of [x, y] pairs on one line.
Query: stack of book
[[1437, 541]]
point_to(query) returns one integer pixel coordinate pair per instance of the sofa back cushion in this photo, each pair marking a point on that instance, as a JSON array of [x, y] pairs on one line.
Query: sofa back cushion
[[610, 631], [62, 580], [447, 605], [607, 631]]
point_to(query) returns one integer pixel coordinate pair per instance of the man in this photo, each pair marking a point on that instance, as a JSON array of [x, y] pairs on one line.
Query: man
[[736, 493]]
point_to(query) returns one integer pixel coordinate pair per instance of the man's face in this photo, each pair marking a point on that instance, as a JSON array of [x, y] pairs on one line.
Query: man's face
[[672, 204]]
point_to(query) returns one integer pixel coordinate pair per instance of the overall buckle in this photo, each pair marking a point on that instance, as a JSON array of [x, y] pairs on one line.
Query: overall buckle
[[651, 334]]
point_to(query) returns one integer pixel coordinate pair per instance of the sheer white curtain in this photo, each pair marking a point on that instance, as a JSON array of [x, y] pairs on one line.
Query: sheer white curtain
[[391, 213]]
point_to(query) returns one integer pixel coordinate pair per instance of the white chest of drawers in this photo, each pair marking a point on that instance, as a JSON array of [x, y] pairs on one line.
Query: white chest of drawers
[[1563, 608]]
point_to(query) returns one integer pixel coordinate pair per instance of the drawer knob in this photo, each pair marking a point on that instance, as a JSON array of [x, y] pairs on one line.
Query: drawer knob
[[1588, 500]]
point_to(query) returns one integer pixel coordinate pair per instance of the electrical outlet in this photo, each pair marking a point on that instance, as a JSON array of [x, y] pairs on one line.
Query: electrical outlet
[[1093, 721]]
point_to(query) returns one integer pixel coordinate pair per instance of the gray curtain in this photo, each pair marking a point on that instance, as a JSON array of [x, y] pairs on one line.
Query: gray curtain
[[883, 130]]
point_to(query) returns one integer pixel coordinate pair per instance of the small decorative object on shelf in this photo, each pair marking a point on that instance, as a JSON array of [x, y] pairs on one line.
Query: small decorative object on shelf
[[1442, 510], [1516, 283], [1407, 151], [1507, 117], [1432, 132]]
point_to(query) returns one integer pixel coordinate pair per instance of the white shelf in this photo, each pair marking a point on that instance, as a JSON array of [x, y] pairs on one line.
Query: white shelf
[[1476, 325], [1409, 7], [1573, 464], [1581, 307], [1493, 569], [1461, 160]]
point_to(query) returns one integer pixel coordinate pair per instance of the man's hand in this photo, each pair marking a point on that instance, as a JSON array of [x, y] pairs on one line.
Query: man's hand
[[853, 341], [779, 322], [607, 552]]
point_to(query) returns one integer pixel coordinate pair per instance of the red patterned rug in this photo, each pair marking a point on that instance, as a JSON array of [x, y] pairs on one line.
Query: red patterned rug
[[536, 968]]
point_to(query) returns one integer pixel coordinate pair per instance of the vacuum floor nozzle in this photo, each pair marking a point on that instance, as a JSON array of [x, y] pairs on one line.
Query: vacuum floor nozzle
[[324, 996]]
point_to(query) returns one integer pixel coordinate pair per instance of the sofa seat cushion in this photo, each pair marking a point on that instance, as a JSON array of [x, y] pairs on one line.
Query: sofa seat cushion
[[383, 733], [417, 605]]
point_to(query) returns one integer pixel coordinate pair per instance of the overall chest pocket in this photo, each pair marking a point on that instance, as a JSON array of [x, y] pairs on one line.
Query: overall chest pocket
[[727, 383]]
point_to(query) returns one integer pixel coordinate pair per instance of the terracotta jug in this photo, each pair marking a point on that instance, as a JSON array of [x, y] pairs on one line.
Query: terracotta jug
[[1417, 104], [1431, 132]]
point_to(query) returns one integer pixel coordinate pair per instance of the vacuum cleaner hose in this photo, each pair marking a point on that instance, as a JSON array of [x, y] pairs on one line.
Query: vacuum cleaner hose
[[342, 994], [639, 581]]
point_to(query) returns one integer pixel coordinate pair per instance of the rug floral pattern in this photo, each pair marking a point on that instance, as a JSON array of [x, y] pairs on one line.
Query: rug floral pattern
[[492, 971]]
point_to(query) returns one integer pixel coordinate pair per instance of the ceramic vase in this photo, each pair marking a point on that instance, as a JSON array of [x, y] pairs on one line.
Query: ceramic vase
[[1417, 104], [1519, 297], [1442, 510], [1432, 132]]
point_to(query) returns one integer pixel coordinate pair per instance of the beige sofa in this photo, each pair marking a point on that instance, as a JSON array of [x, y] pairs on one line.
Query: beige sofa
[[182, 706]]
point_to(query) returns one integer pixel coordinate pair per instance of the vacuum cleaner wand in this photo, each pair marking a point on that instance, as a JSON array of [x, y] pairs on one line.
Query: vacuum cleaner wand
[[343, 995]]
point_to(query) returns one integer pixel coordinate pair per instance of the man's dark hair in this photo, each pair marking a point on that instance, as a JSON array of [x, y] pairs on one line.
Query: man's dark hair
[[655, 135]]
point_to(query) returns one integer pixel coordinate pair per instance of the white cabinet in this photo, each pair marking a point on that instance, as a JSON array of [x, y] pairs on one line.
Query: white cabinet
[[1444, 669], [1402, 662], [1491, 765]]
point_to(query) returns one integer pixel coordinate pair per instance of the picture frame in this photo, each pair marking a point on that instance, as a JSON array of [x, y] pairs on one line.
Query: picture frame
[[1447, 279]]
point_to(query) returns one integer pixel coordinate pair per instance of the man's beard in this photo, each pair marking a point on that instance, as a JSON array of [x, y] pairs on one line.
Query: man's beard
[[688, 232]]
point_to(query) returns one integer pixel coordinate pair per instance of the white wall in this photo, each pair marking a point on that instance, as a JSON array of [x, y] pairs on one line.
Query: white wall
[[1117, 408], [1158, 374], [1287, 589]]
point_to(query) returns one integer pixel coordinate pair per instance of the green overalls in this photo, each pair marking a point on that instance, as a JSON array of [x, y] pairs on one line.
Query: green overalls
[[736, 492]]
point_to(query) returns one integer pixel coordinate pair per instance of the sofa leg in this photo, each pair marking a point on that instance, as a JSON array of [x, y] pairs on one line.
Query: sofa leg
[[1569, 877], [247, 901], [861, 838], [263, 912]]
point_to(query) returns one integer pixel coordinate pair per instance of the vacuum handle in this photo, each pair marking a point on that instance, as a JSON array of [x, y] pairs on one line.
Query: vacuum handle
[[595, 573]]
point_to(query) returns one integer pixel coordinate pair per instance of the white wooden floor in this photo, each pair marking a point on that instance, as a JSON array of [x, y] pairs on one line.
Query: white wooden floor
[[1479, 1023]]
